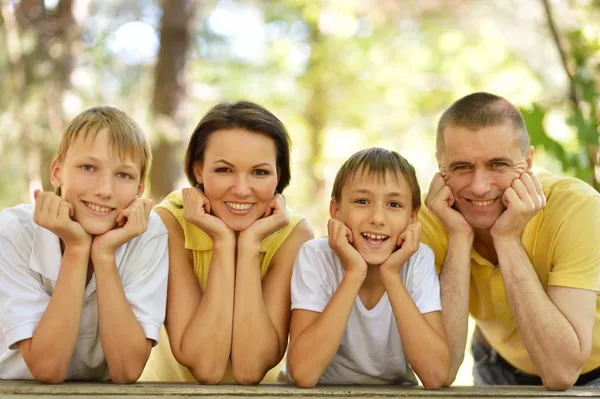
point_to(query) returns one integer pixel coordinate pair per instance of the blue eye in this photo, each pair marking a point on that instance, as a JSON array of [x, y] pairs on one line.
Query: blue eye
[[87, 168], [124, 176]]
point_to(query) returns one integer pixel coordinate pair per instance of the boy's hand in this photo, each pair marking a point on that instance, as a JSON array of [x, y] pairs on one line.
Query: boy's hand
[[523, 200], [340, 240], [440, 201], [408, 244], [55, 214], [131, 222], [196, 210], [274, 219]]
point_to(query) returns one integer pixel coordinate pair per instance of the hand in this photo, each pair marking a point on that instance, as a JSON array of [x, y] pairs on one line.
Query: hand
[[131, 222], [523, 200], [55, 214], [340, 240], [408, 244], [196, 210], [274, 219], [440, 201]]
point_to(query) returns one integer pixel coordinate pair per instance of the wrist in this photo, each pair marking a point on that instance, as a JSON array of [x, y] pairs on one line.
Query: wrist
[[355, 276], [506, 242], [248, 241], [77, 249], [461, 237], [224, 243], [389, 274]]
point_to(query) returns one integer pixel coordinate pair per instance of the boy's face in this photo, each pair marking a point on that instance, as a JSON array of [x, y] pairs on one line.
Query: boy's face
[[97, 182], [376, 211]]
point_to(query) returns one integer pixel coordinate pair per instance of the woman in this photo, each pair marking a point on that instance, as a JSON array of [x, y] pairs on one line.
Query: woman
[[232, 245]]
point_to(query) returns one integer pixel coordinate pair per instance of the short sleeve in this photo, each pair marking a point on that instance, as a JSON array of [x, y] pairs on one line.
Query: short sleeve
[[146, 287], [23, 299], [423, 283], [434, 235], [576, 258], [310, 288]]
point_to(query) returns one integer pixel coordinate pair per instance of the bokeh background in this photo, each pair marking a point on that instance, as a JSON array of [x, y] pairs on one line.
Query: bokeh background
[[342, 75]]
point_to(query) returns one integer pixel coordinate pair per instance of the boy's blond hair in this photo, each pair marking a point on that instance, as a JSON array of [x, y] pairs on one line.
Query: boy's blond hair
[[124, 135], [378, 162]]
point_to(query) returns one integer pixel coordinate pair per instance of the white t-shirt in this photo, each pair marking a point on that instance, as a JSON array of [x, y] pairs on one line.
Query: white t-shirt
[[371, 350], [30, 259]]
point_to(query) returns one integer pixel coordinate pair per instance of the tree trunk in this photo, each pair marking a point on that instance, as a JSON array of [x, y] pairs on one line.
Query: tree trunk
[[169, 94]]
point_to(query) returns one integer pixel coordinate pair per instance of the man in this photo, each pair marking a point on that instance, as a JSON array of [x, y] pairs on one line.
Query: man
[[520, 252]]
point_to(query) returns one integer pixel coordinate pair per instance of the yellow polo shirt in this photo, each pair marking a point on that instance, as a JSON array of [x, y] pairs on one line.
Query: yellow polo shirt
[[563, 244], [162, 365]]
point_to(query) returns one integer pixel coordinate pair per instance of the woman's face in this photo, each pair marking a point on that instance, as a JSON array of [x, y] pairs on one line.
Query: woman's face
[[239, 175]]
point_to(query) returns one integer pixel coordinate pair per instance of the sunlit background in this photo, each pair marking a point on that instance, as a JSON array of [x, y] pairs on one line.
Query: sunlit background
[[342, 75]]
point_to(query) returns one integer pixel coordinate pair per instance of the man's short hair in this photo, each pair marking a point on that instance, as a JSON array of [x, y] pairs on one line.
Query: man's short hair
[[479, 110], [377, 162]]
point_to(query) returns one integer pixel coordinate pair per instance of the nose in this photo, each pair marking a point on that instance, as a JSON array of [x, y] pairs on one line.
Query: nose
[[104, 186], [378, 215], [481, 183], [241, 188]]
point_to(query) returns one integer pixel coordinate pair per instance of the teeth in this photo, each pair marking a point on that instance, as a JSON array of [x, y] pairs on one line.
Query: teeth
[[238, 206], [374, 236], [482, 203], [98, 208]]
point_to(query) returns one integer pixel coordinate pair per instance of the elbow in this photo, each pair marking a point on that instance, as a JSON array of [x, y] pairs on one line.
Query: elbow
[[248, 375], [559, 379], [125, 376], [49, 373], [436, 379], [303, 378], [208, 375]]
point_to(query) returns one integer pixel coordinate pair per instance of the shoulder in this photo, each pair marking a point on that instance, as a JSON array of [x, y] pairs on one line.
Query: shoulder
[[17, 223], [317, 252]]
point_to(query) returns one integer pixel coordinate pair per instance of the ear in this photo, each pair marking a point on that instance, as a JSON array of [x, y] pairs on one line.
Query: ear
[[55, 174], [334, 209], [415, 216], [198, 172], [529, 157]]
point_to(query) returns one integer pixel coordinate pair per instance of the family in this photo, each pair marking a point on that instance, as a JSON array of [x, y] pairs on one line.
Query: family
[[221, 282]]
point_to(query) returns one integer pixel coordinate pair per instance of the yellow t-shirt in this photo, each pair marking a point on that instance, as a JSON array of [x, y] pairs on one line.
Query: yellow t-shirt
[[162, 365], [563, 244]]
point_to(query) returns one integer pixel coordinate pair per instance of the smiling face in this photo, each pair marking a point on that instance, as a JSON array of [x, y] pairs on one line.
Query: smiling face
[[96, 181], [478, 166], [377, 210], [239, 174]]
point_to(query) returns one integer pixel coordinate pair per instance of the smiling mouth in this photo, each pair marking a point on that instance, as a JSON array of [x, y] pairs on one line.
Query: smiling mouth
[[98, 209], [374, 239], [482, 203], [239, 206]]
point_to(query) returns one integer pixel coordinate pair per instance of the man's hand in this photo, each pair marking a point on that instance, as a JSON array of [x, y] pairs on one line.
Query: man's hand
[[440, 201], [274, 219], [340, 240], [408, 244], [55, 214], [523, 200], [196, 210], [131, 222]]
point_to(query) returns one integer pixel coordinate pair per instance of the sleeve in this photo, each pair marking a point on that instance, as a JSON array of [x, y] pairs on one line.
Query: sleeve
[[146, 288], [310, 288], [423, 283], [576, 258], [434, 235], [23, 299]]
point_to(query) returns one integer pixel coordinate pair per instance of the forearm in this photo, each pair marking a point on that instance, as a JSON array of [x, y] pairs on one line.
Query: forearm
[[454, 292], [313, 350], [256, 345], [549, 338], [426, 350], [123, 340], [53, 342], [206, 342]]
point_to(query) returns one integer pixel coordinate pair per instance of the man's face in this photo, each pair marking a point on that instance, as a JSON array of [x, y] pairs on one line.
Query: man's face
[[478, 165]]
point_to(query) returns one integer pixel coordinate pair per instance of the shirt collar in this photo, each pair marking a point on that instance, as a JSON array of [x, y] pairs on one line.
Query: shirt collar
[[46, 255]]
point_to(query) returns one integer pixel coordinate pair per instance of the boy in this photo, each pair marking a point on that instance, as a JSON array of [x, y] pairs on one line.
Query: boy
[[84, 271], [365, 300]]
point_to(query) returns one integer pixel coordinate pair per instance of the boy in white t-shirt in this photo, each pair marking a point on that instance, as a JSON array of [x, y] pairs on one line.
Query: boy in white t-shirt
[[366, 300], [83, 272]]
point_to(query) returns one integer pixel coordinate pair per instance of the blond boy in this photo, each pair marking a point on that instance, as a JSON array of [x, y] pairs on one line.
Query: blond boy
[[84, 270], [366, 300]]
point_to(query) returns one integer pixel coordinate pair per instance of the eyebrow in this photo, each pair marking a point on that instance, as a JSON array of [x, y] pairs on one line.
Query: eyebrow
[[232, 165], [365, 191], [497, 159]]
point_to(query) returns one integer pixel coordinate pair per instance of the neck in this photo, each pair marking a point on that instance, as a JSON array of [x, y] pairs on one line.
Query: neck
[[373, 278]]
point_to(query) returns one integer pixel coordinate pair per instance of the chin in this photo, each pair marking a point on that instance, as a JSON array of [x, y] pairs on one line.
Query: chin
[[375, 260], [97, 229], [482, 223]]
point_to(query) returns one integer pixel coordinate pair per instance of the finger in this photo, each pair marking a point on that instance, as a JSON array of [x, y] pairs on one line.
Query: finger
[[349, 236], [206, 205], [521, 191], [70, 208], [436, 185], [147, 204], [44, 214], [538, 188], [64, 211], [36, 193], [531, 191], [510, 196], [446, 195]]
